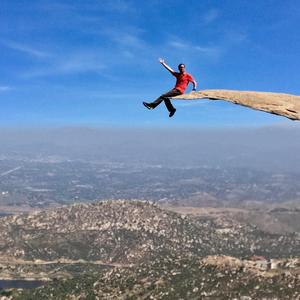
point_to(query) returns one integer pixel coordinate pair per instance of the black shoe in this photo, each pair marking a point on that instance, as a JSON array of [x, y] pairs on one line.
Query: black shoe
[[148, 105], [172, 112]]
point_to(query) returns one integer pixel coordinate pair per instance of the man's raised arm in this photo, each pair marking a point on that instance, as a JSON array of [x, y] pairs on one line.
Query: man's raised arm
[[162, 61]]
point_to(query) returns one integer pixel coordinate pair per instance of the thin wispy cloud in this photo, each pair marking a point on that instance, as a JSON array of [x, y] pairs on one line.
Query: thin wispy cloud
[[232, 39], [235, 37], [24, 48], [116, 6], [5, 88], [130, 40], [229, 39], [56, 6], [125, 36], [210, 16], [87, 17], [178, 45], [84, 61], [212, 52], [186, 46], [90, 59], [75, 62]]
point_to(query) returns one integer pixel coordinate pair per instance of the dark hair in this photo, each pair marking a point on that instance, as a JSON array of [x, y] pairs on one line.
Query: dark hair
[[181, 65]]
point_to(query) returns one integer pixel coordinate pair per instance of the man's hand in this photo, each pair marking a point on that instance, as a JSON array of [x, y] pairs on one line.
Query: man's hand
[[161, 60]]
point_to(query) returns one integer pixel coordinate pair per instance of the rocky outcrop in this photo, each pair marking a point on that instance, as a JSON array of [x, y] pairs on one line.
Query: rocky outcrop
[[126, 232], [285, 105]]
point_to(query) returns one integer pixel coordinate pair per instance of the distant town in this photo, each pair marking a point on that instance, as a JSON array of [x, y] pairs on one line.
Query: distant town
[[49, 182]]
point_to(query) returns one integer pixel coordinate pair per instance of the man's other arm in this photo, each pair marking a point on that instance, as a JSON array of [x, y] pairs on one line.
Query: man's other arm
[[194, 83]]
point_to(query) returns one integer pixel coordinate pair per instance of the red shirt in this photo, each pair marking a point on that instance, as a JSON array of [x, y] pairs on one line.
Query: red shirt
[[182, 81]]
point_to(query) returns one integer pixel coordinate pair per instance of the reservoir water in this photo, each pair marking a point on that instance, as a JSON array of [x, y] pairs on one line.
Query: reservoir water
[[20, 284], [2, 214]]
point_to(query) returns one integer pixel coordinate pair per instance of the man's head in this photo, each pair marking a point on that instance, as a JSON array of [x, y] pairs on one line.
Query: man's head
[[181, 68]]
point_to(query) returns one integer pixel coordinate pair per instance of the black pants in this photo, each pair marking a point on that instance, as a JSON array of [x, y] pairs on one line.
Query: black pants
[[164, 97]]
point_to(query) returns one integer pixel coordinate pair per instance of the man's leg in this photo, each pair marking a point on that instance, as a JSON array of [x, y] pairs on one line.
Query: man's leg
[[165, 98], [155, 103], [168, 103], [158, 101]]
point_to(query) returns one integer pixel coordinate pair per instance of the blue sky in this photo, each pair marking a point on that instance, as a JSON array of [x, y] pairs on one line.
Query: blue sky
[[93, 62]]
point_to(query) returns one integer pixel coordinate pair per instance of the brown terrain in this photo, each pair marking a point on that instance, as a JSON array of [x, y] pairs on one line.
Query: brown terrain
[[272, 218], [137, 250]]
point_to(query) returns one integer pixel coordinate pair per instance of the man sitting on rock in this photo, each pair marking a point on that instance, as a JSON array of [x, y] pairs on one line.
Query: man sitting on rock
[[182, 80]]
